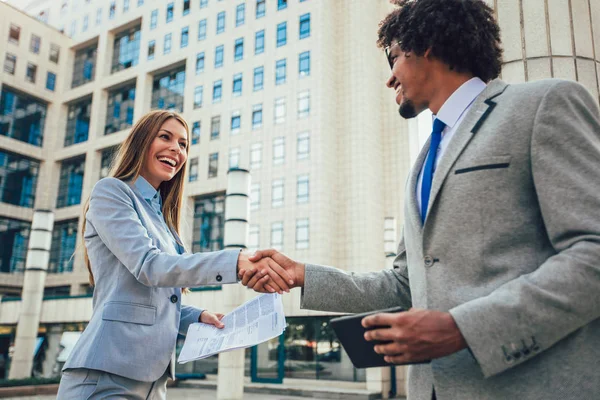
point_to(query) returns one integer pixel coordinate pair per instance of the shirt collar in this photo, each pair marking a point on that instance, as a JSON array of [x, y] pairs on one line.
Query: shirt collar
[[460, 101], [147, 190]]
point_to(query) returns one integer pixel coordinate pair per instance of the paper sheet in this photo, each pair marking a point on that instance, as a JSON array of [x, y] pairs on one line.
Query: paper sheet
[[254, 322]]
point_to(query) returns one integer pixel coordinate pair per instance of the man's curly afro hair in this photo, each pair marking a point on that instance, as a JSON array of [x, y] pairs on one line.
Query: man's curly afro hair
[[461, 33]]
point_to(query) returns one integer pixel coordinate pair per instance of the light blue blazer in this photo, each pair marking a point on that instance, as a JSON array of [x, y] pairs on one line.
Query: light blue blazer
[[139, 273]]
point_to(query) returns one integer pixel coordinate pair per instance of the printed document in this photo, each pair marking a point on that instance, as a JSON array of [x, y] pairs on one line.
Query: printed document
[[254, 322]]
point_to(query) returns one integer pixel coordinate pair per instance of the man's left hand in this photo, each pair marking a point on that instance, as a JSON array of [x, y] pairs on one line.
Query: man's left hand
[[414, 335]]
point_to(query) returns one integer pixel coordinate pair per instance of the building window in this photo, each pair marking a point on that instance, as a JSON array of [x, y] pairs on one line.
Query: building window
[[153, 19], [10, 63], [213, 165], [14, 236], [260, 8], [253, 238], [106, 162], [71, 182], [31, 72], [209, 223], [302, 233], [112, 9], [186, 7], [238, 50], [185, 37], [169, 15], [151, 49], [126, 51], [281, 34], [84, 66], [256, 155], [64, 238], [304, 26], [54, 53], [259, 77], [73, 29], [22, 117], [279, 110], [125, 5], [215, 127], [199, 63], [78, 121], [304, 64], [277, 235], [234, 157], [167, 43], [119, 110], [303, 104], [240, 14], [281, 4], [278, 150], [34, 46], [259, 42], [280, 72], [198, 96], [98, 16], [257, 116], [167, 90], [217, 91], [302, 189], [202, 29], [86, 23], [237, 85], [303, 146], [219, 56], [140, 3], [255, 196], [196, 132], [19, 179], [277, 190], [14, 34], [193, 177], [236, 121], [221, 22], [203, 3]]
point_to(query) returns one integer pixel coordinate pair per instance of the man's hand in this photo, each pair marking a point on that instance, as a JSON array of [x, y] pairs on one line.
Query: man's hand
[[212, 319], [264, 270], [415, 335], [266, 282]]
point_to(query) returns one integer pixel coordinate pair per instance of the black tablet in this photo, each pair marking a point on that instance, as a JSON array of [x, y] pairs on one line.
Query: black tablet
[[350, 332]]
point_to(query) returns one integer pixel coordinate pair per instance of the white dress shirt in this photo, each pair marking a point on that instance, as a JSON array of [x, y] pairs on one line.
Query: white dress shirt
[[452, 113]]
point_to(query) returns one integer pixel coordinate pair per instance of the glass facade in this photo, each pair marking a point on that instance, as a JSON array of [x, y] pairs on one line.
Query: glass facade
[[84, 66], [209, 222], [167, 90], [126, 50], [14, 236], [22, 116], [64, 238], [78, 121], [119, 109], [18, 180], [107, 160], [71, 182]]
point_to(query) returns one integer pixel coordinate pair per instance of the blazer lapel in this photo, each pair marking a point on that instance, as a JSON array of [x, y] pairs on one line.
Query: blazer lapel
[[479, 112], [413, 206]]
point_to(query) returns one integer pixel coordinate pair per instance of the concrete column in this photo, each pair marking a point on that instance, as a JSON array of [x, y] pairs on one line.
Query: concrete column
[[36, 268], [230, 384]]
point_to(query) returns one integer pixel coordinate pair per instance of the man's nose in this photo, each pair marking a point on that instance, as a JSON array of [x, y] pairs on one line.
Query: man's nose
[[391, 82]]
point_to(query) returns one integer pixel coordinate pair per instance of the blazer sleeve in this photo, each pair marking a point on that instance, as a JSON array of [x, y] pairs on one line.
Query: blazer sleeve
[[563, 293], [332, 289], [189, 315], [113, 216]]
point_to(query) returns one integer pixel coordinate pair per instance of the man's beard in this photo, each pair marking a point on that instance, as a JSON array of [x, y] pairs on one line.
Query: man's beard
[[407, 110]]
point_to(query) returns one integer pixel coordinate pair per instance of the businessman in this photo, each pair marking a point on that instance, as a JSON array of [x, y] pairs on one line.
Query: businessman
[[499, 260]]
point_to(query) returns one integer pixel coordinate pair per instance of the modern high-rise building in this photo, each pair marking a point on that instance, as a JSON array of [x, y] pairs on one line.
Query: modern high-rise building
[[292, 90]]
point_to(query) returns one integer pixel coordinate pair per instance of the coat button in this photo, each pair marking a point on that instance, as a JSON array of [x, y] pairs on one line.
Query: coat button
[[174, 298], [428, 261], [219, 278]]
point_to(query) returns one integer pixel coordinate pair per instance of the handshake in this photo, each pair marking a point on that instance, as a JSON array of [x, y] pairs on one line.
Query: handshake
[[269, 271]]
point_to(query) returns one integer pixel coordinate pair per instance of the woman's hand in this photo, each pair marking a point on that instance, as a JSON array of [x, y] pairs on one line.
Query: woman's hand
[[212, 319]]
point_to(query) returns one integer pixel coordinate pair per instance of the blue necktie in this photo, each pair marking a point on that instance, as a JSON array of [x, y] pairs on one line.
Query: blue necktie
[[436, 138]]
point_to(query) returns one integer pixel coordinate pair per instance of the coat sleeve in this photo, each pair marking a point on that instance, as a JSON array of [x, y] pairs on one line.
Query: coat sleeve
[[112, 216], [536, 310], [189, 315]]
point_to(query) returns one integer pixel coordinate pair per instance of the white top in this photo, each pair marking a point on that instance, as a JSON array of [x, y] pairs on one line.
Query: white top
[[452, 113]]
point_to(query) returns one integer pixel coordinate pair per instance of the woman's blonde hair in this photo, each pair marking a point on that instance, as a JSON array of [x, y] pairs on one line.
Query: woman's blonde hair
[[128, 163]]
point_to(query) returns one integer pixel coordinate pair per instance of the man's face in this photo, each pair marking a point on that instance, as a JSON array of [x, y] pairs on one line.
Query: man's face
[[408, 79]]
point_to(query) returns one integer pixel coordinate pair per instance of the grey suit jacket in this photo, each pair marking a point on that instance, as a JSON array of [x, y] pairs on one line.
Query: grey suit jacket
[[510, 247], [137, 298]]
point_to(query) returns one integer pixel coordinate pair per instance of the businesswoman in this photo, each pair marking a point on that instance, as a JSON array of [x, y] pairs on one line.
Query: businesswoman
[[137, 266]]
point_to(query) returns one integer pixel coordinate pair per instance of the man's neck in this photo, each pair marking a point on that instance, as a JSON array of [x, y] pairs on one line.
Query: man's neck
[[444, 87]]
